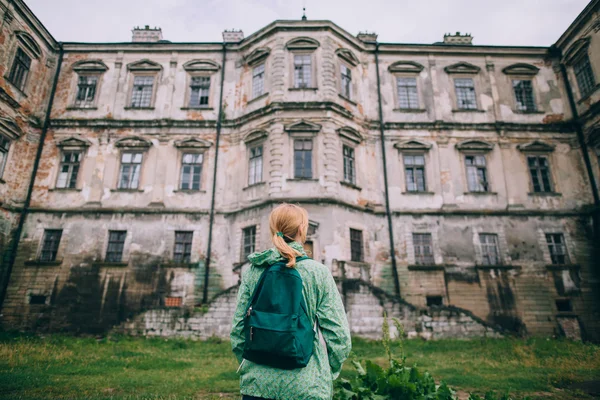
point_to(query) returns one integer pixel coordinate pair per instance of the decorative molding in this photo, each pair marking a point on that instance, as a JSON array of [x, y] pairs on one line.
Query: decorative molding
[[258, 56], [133, 142], [475, 145], [406, 66], [521, 69], [201, 66], [10, 128], [462, 68], [302, 43], [29, 43], [144, 65], [193, 143], [302, 126], [255, 135], [89, 66], [350, 134], [536, 147], [413, 145], [347, 56], [73, 142], [576, 50]]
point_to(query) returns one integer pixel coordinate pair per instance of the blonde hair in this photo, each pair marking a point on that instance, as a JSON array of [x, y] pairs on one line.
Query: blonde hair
[[292, 221]]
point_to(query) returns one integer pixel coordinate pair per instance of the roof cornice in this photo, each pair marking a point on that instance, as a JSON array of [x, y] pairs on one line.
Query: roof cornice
[[575, 27], [35, 24]]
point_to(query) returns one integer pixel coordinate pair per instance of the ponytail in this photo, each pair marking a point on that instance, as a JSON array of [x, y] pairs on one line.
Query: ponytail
[[287, 223], [286, 250]]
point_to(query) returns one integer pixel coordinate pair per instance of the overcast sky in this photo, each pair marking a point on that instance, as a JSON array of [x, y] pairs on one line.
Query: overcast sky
[[491, 22]]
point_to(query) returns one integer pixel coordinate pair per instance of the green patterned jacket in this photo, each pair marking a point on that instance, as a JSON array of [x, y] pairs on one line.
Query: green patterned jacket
[[315, 381]]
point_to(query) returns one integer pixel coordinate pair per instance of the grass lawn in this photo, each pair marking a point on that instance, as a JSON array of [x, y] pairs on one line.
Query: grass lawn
[[64, 367]]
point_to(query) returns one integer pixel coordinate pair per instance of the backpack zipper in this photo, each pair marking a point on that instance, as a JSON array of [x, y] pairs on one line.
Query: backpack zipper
[[249, 311]]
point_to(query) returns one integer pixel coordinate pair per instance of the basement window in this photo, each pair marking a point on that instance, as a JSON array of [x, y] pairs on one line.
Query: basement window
[[434, 301], [173, 301], [564, 305], [37, 299]]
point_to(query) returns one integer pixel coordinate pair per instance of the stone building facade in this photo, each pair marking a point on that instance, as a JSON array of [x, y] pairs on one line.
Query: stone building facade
[[450, 184]]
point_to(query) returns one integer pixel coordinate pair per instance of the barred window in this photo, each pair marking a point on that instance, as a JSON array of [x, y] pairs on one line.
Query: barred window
[[68, 169], [199, 91], [408, 96], [248, 241], [585, 76], [356, 245], [255, 164], [489, 249], [423, 246], [346, 74], [20, 69], [414, 169], [86, 91], [303, 158], [129, 176], [349, 165], [4, 147], [557, 248], [258, 80], [476, 173], [50, 244], [524, 95], [540, 174], [302, 70], [191, 171], [116, 243], [183, 246], [465, 93], [141, 95]]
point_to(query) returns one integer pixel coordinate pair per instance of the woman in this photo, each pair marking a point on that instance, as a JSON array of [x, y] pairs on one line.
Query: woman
[[288, 225]]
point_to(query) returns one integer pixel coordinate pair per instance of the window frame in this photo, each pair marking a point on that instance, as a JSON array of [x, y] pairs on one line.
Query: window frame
[[484, 246], [93, 103], [531, 80], [186, 254], [254, 67], [252, 230], [488, 188], [552, 188], [350, 86], [110, 242], [397, 91], [183, 152], [250, 147], [361, 249], [25, 78], [423, 259], [69, 179], [550, 246], [424, 166], [312, 160], [312, 69], [54, 251], [6, 152], [475, 92], [189, 90], [119, 170], [352, 158], [584, 56]]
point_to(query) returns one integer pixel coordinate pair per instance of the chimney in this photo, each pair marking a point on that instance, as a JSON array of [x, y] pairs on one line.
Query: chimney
[[146, 34], [465, 39], [233, 36], [367, 37]]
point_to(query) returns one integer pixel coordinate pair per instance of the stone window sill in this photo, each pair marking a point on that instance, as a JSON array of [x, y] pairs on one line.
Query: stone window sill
[[78, 108], [303, 89], [410, 110], [127, 190], [561, 267], [482, 193], [189, 191], [351, 185], [64, 190], [529, 112], [347, 99], [257, 98], [415, 192], [257, 184], [460, 110], [44, 263], [425, 267], [139, 108], [303, 179], [198, 108], [498, 266], [174, 264], [111, 264], [545, 194]]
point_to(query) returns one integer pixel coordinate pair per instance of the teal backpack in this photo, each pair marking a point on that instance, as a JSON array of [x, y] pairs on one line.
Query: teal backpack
[[277, 327]]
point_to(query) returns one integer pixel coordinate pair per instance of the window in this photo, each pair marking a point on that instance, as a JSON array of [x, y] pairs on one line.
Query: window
[[258, 80], [303, 158], [68, 169], [199, 88], [563, 305], [116, 242], [255, 163], [50, 244], [433, 301], [476, 173], [414, 169], [557, 248], [86, 91], [585, 76], [408, 97], [129, 177], [489, 249], [302, 70], [349, 165], [524, 95], [191, 171], [37, 299], [142, 91], [4, 147], [20, 69], [346, 81], [356, 245], [183, 247], [248, 241], [540, 174], [465, 93], [423, 249]]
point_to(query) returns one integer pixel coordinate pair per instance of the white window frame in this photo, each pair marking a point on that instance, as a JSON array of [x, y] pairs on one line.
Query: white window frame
[[68, 179]]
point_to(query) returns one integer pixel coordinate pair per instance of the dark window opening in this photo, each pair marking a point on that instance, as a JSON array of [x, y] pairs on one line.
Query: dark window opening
[[255, 165], [199, 91], [68, 170], [86, 91], [524, 95], [116, 243], [191, 171], [557, 248], [50, 244], [477, 173], [489, 249], [303, 158], [584, 75], [248, 241], [414, 169], [435, 301], [349, 165], [564, 305], [540, 174], [356, 245], [131, 165], [37, 299], [20, 69], [183, 246], [346, 74]]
